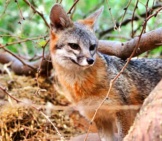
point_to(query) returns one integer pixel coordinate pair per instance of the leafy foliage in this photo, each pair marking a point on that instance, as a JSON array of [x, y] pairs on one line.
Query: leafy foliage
[[20, 22]]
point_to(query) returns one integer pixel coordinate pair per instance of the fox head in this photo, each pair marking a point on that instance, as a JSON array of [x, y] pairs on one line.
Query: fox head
[[73, 44]]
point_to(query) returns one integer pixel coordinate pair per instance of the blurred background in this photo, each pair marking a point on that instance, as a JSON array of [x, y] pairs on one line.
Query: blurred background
[[22, 21]]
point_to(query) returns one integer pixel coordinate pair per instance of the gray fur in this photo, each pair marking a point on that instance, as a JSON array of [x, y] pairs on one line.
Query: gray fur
[[143, 73]]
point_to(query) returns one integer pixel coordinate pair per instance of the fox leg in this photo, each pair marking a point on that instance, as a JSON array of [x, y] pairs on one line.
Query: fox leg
[[124, 121], [106, 129]]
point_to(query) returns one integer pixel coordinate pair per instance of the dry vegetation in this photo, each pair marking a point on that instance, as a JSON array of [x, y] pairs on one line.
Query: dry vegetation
[[22, 121]]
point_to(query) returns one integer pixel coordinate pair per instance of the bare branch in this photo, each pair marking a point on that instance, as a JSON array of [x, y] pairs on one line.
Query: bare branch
[[20, 69], [134, 47], [36, 11], [125, 11], [133, 15], [21, 15], [149, 40], [5, 8], [76, 1], [114, 21], [125, 22], [19, 59], [21, 41]]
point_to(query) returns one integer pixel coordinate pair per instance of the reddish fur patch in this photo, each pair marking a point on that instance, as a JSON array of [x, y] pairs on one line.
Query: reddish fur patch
[[87, 22], [53, 40], [135, 96], [88, 86], [85, 88]]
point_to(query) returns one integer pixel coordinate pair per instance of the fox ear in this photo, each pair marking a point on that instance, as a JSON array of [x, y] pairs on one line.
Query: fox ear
[[59, 19], [91, 20]]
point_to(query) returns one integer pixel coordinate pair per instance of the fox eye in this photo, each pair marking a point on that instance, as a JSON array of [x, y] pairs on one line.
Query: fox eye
[[74, 46], [92, 47]]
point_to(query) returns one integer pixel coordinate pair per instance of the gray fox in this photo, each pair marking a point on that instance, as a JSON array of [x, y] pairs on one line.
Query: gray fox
[[83, 74]]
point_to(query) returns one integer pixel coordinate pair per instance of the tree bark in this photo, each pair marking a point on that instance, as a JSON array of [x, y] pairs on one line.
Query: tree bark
[[19, 68], [149, 41], [148, 123]]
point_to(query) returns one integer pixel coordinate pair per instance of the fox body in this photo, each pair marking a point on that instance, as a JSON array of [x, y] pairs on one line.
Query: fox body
[[83, 74]]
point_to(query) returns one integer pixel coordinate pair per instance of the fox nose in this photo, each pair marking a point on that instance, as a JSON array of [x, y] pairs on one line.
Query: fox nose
[[90, 61]]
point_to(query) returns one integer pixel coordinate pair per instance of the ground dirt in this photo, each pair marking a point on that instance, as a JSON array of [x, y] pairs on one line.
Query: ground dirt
[[25, 121]]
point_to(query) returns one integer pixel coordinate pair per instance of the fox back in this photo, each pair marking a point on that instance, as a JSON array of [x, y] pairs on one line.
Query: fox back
[[83, 74]]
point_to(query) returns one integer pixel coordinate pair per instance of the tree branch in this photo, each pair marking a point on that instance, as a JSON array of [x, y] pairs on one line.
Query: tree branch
[[75, 2], [149, 40], [20, 69], [125, 22], [36, 11]]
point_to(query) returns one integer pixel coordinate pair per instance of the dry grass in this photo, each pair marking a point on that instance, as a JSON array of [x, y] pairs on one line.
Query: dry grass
[[20, 121]]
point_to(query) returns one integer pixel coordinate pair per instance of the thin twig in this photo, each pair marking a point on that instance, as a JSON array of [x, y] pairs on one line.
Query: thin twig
[[5, 91], [125, 11], [21, 15], [114, 22], [36, 11], [60, 1], [43, 58], [21, 41], [56, 129], [133, 17], [45, 116], [7, 2], [147, 10], [5, 68], [25, 64], [126, 21], [76, 1]]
